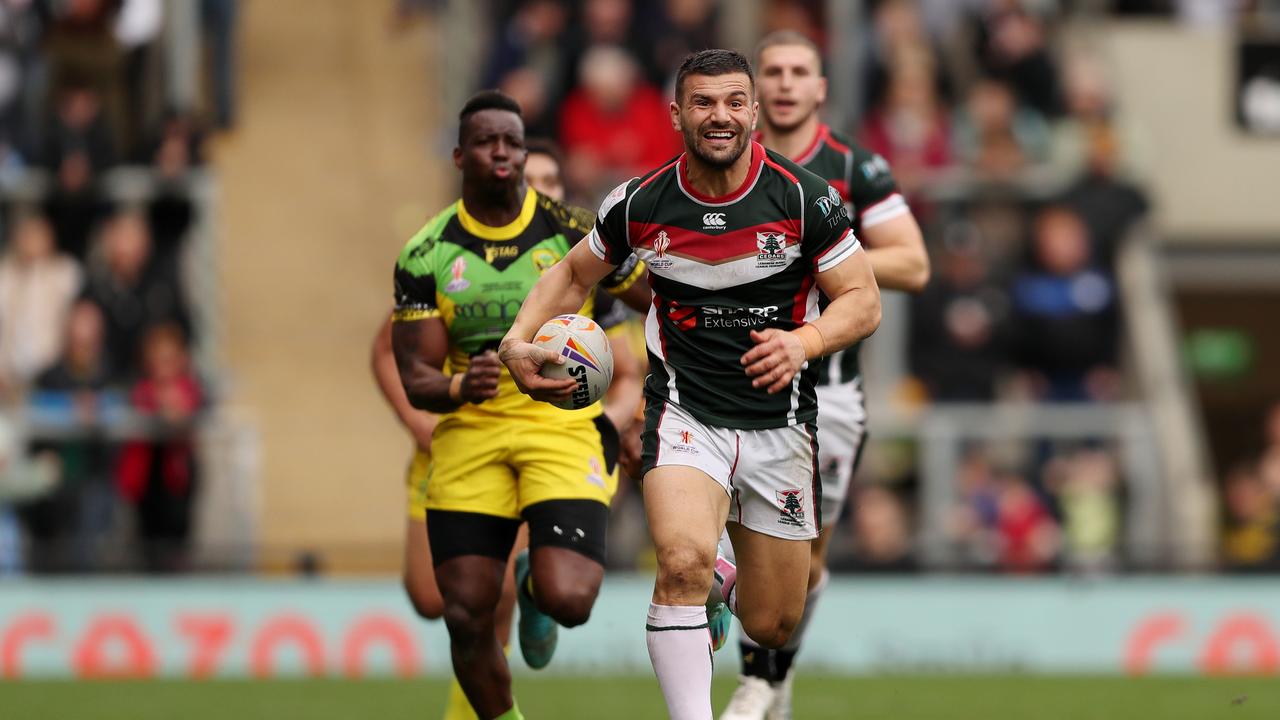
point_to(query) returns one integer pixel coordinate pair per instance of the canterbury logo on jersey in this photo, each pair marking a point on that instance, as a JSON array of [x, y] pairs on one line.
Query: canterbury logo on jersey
[[713, 220]]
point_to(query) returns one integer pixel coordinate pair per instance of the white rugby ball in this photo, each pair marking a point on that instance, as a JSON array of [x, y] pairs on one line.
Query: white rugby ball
[[588, 358]]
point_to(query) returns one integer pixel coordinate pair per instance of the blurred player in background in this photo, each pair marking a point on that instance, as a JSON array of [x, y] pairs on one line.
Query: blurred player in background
[[791, 89], [497, 457], [738, 242], [542, 173]]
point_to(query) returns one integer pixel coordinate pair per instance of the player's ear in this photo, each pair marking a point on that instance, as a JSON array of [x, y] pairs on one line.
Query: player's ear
[[755, 114], [822, 90], [675, 116], [457, 157]]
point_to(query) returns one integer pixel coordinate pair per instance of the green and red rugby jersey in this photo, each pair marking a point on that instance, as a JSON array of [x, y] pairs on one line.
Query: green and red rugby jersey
[[865, 182], [721, 267]]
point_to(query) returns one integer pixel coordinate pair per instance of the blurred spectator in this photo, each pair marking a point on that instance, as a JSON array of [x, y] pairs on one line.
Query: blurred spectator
[[37, 287], [614, 23], [532, 38], [972, 525], [690, 26], [133, 290], [177, 149], [996, 137], [1067, 314], [1028, 536], [21, 478], [1085, 486], [532, 91], [882, 534], [960, 324], [911, 128], [78, 148], [219, 22], [1100, 155], [897, 26], [1251, 536], [69, 525], [542, 168], [137, 30], [160, 476], [615, 125], [1012, 46], [83, 51]]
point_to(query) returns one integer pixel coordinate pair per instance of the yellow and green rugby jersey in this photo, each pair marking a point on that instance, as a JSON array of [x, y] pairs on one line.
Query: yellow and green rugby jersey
[[474, 277]]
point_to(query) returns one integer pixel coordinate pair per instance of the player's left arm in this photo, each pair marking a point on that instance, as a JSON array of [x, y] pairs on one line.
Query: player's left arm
[[890, 234], [852, 315], [844, 275], [896, 251]]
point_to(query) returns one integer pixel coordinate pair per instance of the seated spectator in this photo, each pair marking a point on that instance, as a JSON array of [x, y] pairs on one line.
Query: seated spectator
[[960, 325], [37, 287], [159, 476], [911, 129], [690, 26], [1067, 315], [897, 25], [77, 150], [1251, 532], [882, 534], [133, 290], [80, 128], [997, 138], [1011, 46], [1027, 534], [177, 149], [1084, 484], [69, 525], [615, 126]]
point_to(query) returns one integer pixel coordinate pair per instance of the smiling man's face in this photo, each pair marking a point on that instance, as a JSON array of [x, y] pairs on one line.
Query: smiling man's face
[[716, 116]]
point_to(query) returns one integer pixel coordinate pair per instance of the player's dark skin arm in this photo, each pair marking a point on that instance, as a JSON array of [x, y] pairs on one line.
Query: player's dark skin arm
[[419, 347]]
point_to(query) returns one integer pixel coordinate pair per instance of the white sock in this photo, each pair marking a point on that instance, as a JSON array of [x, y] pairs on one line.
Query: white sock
[[680, 649], [810, 606]]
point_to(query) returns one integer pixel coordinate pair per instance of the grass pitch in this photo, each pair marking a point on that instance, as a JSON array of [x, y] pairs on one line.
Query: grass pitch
[[613, 698]]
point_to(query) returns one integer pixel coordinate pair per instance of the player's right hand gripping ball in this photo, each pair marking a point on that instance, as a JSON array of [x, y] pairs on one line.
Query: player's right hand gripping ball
[[588, 359]]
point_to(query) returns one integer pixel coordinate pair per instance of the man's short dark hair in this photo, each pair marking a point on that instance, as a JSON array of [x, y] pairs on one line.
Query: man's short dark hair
[[486, 100], [779, 38], [543, 146], [712, 63]]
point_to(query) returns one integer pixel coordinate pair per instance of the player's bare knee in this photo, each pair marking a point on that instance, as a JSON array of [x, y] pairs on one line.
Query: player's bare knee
[[569, 606], [770, 630], [685, 571], [469, 620]]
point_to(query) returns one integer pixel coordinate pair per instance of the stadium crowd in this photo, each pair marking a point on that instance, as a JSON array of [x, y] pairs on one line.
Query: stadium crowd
[[97, 321]]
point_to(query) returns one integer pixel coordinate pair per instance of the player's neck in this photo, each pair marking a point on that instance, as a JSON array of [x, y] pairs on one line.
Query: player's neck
[[715, 181], [493, 206], [792, 142]]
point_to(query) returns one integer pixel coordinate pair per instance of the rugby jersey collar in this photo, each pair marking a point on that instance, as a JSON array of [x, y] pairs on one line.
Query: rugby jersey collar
[[753, 175], [822, 134], [506, 232]]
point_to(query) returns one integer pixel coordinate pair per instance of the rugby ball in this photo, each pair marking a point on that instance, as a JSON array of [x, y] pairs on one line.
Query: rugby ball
[[588, 359]]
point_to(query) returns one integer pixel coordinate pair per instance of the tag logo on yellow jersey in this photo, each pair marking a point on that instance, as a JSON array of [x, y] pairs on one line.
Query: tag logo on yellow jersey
[[496, 252]]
